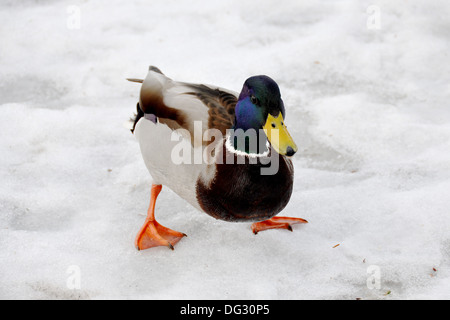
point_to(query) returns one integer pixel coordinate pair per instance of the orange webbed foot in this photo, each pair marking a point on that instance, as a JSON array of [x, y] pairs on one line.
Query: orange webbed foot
[[276, 223], [153, 234]]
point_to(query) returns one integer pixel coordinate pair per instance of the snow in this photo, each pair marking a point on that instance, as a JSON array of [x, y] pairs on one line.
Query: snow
[[366, 102]]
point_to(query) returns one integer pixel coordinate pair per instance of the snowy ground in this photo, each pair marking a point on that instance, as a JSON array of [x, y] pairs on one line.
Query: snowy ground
[[366, 90]]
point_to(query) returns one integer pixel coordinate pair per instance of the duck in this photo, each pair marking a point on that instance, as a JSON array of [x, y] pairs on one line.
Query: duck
[[228, 154]]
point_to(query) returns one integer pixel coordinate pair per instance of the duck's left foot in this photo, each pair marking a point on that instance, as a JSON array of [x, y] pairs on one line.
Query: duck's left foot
[[276, 223]]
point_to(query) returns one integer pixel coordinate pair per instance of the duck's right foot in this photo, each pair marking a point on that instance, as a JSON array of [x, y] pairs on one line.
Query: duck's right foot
[[152, 234]]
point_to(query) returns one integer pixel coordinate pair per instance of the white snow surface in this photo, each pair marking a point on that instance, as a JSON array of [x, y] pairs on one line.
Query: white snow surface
[[368, 108]]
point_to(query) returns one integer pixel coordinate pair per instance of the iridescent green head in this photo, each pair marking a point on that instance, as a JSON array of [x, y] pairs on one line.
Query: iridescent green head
[[260, 107]]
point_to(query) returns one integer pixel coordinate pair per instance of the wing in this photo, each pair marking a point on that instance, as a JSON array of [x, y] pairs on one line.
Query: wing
[[220, 105], [179, 105]]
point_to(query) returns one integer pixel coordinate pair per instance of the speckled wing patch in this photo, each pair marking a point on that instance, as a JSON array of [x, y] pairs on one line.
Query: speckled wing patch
[[220, 105]]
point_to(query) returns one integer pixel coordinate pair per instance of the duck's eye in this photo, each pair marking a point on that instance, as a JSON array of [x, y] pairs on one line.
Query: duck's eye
[[253, 99], [282, 123], [273, 125]]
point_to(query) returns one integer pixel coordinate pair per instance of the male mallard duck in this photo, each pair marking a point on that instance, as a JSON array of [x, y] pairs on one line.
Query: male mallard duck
[[224, 178]]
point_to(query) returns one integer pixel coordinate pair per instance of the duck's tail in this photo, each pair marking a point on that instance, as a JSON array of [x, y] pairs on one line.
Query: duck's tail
[[131, 123], [151, 68], [135, 80]]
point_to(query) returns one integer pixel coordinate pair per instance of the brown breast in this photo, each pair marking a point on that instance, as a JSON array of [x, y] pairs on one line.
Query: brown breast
[[239, 192]]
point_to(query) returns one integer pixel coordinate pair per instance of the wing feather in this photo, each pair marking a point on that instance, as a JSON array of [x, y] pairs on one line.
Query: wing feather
[[179, 105], [220, 105]]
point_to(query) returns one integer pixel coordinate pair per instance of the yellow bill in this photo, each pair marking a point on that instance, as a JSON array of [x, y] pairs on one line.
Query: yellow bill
[[278, 135]]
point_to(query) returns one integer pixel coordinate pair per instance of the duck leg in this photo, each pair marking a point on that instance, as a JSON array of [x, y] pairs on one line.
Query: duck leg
[[152, 234], [276, 223]]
